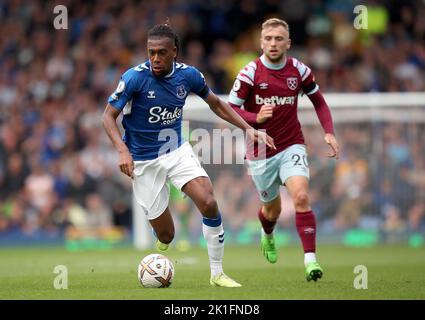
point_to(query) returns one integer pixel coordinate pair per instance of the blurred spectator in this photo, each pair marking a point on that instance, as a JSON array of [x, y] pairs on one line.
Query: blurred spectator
[[93, 221], [39, 190]]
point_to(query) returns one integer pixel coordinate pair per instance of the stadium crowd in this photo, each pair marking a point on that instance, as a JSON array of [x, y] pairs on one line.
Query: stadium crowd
[[59, 172]]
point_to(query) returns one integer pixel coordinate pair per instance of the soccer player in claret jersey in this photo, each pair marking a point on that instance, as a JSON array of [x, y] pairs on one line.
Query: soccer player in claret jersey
[[151, 97], [268, 90]]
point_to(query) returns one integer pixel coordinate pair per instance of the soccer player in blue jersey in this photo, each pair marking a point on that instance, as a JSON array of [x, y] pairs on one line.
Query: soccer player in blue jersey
[[151, 97]]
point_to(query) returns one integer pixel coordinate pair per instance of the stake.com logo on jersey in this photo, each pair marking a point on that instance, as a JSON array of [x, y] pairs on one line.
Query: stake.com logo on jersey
[[279, 101], [164, 115]]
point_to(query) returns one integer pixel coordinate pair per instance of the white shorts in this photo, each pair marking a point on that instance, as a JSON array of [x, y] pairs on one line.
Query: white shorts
[[150, 178]]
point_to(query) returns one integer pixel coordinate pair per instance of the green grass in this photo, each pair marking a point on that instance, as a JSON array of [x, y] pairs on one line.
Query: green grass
[[393, 273]]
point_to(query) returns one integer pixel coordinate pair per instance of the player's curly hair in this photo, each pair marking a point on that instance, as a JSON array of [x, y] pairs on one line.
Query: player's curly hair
[[164, 30]]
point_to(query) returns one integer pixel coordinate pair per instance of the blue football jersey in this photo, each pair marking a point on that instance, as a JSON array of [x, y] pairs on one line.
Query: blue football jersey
[[153, 107]]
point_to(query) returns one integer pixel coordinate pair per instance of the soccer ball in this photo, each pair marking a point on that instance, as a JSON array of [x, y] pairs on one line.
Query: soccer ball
[[155, 271]]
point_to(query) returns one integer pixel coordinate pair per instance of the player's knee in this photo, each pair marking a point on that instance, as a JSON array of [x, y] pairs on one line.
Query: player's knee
[[208, 207], [301, 199], [166, 236]]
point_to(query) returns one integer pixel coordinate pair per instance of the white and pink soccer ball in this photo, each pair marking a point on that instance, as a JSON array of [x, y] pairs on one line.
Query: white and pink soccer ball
[[156, 271]]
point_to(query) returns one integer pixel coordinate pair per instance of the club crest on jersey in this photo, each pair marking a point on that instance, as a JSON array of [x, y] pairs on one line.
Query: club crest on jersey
[[181, 92], [292, 83]]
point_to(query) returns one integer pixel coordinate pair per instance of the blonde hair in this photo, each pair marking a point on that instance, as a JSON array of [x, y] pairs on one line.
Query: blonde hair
[[275, 22]]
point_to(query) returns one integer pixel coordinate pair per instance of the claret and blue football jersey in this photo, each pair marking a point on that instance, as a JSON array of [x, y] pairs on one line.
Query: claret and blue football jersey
[[153, 107]]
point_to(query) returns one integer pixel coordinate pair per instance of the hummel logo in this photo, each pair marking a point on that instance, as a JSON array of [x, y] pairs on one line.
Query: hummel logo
[[263, 85], [151, 94]]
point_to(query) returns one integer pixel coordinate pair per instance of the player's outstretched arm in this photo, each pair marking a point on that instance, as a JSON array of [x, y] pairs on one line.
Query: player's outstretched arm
[[224, 111], [110, 124]]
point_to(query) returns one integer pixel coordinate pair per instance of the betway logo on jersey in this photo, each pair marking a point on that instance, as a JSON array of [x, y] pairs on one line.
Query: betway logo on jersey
[[164, 116], [279, 101]]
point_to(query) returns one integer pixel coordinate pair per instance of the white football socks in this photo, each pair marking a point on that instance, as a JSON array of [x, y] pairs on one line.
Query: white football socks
[[214, 235], [309, 257], [267, 235]]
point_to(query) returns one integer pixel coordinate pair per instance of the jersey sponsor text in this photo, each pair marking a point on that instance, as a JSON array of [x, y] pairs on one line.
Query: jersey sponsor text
[[279, 101], [163, 114]]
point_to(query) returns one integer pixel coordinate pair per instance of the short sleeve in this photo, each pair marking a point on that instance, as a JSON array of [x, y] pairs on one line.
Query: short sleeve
[[243, 85], [124, 91], [198, 84], [308, 83]]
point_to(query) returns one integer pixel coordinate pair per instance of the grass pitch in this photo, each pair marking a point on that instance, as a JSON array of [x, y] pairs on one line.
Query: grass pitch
[[393, 273]]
